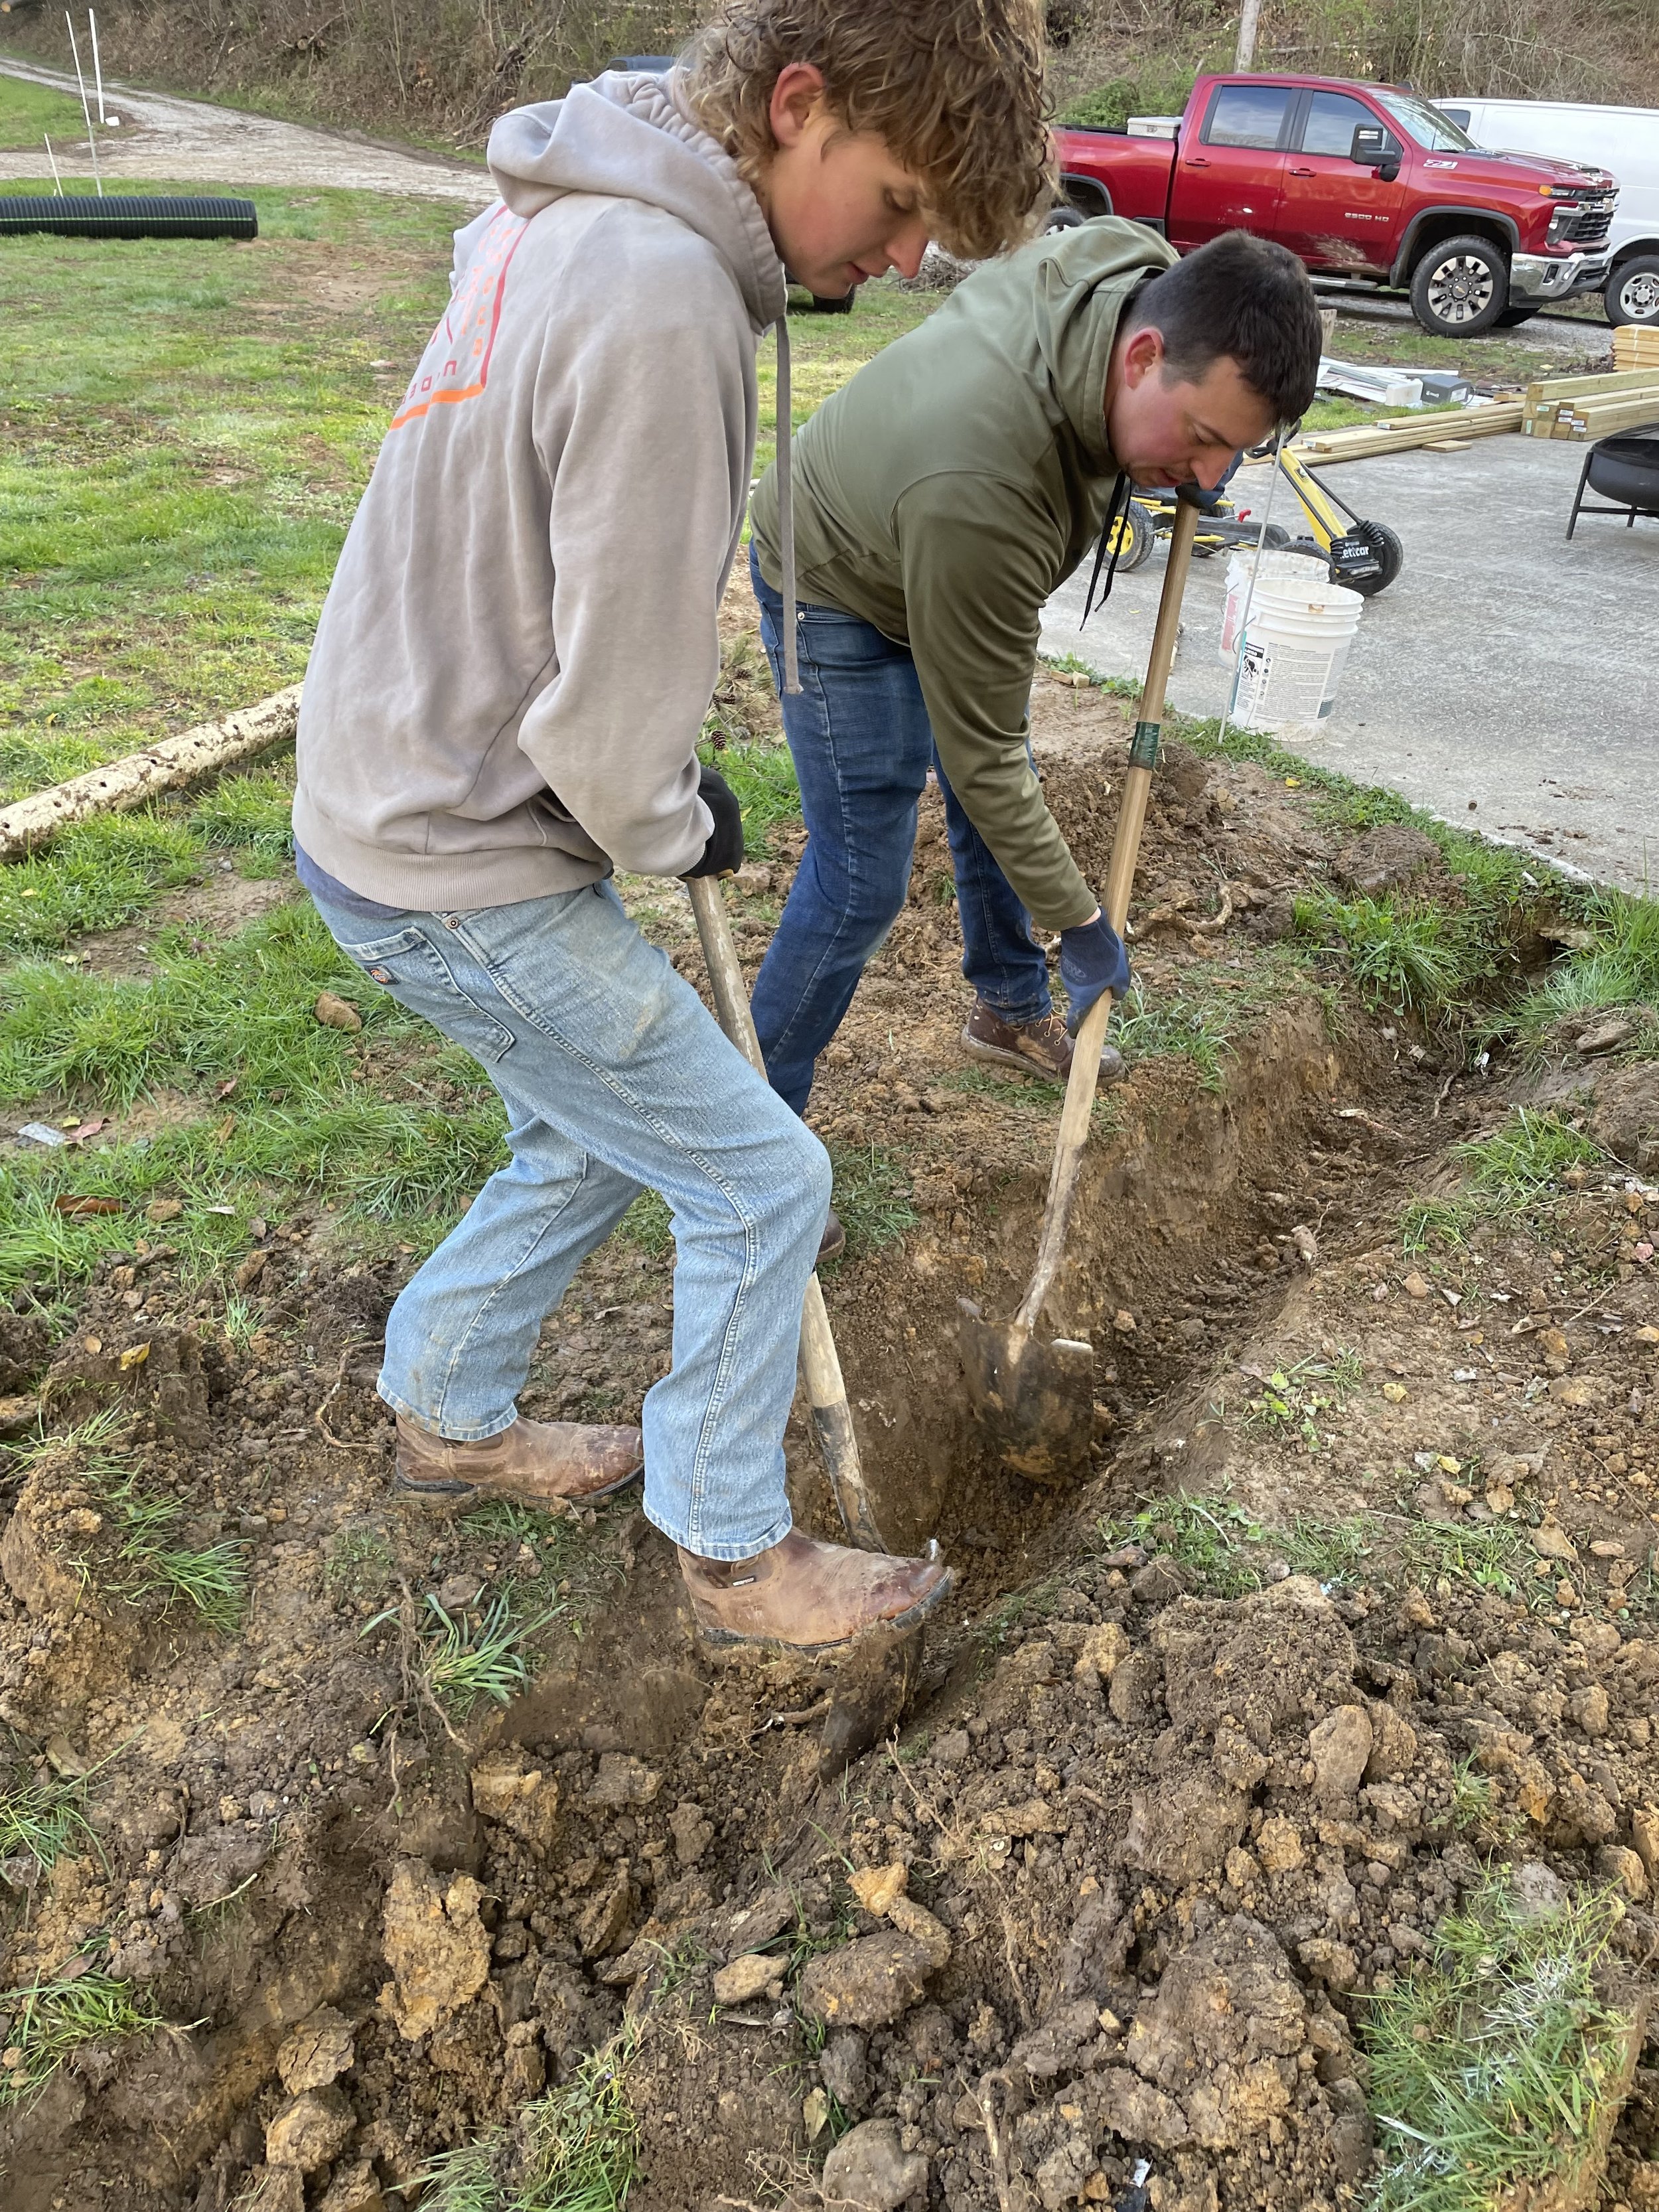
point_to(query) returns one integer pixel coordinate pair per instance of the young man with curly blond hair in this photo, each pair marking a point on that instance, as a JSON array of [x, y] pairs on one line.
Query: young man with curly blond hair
[[503, 705]]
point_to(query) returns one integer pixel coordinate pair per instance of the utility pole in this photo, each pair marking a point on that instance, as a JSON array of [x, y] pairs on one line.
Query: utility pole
[[1247, 20]]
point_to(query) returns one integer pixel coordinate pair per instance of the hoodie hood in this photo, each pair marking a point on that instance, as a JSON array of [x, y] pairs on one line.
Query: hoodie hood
[[1084, 279], [627, 138]]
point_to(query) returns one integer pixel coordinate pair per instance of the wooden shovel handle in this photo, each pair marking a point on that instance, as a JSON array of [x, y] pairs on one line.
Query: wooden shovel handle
[[820, 1363], [1126, 851]]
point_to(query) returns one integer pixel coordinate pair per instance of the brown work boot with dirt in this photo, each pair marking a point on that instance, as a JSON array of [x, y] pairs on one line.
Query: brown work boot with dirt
[[833, 1243], [805, 1596], [1039, 1048], [541, 1464]]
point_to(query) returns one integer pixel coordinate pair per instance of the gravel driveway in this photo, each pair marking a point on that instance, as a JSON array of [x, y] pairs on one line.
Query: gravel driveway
[[182, 141]]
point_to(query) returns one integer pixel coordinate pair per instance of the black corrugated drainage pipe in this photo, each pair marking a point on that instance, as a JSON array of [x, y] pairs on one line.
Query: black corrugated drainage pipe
[[126, 215]]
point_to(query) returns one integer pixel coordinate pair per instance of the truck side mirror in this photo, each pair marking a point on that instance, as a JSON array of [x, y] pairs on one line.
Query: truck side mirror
[[1371, 144]]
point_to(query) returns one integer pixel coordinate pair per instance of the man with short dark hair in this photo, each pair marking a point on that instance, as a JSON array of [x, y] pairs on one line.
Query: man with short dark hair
[[940, 497]]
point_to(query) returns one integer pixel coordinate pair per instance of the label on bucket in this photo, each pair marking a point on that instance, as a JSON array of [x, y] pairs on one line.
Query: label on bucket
[[1276, 685]]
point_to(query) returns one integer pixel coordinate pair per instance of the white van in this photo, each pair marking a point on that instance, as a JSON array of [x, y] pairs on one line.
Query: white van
[[1625, 139]]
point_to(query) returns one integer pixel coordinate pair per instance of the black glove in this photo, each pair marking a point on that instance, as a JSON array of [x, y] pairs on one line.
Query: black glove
[[1091, 960], [723, 854]]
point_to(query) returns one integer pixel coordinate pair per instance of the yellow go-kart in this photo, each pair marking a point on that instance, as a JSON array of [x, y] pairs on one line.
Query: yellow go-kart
[[1366, 556]]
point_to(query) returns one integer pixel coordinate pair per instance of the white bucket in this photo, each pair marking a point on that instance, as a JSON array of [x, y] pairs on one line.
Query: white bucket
[[1296, 568], [1296, 645]]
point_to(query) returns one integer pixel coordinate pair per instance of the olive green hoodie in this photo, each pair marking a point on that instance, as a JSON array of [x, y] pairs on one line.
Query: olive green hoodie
[[944, 492]]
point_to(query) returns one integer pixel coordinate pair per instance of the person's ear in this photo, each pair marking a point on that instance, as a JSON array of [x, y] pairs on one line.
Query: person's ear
[[1142, 356], [796, 99]]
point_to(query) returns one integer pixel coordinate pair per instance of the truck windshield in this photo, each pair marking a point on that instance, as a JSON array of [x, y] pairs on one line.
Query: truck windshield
[[1435, 132]]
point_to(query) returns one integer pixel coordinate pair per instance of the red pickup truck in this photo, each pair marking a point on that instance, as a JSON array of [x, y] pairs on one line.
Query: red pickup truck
[[1364, 181]]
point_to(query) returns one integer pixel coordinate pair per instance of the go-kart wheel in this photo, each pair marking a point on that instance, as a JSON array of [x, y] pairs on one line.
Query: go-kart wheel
[[1132, 537], [1386, 544]]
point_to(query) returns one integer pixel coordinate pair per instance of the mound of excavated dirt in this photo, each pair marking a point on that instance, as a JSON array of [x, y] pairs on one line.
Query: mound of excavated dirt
[[1118, 1893]]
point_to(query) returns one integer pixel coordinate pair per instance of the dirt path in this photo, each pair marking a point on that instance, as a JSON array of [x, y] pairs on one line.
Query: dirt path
[[186, 141]]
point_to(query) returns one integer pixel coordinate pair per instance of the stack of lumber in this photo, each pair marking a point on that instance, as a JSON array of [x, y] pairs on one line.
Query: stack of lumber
[[1636, 346], [1587, 407], [1396, 433]]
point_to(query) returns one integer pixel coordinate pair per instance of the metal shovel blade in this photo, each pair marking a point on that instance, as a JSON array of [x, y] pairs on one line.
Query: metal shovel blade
[[1035, 1400]]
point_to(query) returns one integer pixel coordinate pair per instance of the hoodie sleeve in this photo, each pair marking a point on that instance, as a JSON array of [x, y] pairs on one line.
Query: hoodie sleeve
[[974, 588], [643, 432]]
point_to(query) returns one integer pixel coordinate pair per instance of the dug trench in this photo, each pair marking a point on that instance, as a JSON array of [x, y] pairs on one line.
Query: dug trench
[[1152, 1894]]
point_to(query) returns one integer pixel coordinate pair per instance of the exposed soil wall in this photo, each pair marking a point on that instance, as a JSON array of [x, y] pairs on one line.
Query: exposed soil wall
[[1148, 1843]]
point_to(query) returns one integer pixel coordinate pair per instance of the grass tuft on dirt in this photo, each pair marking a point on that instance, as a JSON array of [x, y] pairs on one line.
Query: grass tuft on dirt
[[49, 2020], [573, 2151], [1510, 1171], [1491, 2066]]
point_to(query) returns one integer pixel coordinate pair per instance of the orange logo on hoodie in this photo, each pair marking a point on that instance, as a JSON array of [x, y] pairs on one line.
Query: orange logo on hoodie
[[456, 362]]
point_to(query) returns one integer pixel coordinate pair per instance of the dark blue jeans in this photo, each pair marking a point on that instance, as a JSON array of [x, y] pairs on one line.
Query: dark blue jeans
[[862, 747]]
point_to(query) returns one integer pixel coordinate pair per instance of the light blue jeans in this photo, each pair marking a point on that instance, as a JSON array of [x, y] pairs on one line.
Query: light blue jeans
[[614, 1077]]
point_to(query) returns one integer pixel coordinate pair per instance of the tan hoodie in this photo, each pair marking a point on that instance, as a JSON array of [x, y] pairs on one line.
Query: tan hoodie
[[519, 644]]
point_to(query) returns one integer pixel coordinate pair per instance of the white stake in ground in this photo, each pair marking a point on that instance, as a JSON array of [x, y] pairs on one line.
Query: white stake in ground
[[57, 181], [97, 70], [86, 107]]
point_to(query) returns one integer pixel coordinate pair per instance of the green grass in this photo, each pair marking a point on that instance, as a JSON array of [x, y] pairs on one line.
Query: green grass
[[1403, 952], [573, 2151], [28, 111], [1294, 1400], [49, 2021], [1491, 2066], [44, 1820], [579, 1565], [1491, 1555], [871, 1197], [768, 790], [649, 1225], [1513, 1170], [1332, 1551], [1205, 1533], [184, 434], [359, 1565], [144, 1567], [478, 1653], [1620, 970]]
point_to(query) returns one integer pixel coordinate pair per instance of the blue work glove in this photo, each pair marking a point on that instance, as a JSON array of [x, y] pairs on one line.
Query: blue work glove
[[1091, 960]]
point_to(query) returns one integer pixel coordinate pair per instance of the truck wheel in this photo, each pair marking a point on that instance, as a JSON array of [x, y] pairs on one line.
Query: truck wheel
[[1460, 287], [1062, 217], [1632, 292], [1385, 543], [842, 305]]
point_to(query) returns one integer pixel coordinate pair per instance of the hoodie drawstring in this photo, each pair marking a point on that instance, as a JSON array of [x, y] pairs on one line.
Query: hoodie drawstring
[[787, 510], [1108, 531]]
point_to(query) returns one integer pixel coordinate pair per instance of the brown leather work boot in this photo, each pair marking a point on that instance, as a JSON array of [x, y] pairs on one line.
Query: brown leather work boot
[[1039, 1048], [542, 1463], [833, 1243], [807, 1597]]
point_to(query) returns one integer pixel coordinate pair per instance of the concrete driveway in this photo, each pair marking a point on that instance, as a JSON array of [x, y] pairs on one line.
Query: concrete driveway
[[1506, 680]]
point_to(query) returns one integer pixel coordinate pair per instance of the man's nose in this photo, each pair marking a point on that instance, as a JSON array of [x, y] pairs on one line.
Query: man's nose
[[1210, 470]]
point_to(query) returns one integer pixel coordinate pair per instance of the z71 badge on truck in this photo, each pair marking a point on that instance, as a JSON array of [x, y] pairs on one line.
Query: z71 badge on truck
[[1364, 181]]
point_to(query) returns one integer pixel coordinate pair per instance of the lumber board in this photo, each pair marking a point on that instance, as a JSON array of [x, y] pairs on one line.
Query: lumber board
[[1636, 346], [1399, 434], [120, 785]]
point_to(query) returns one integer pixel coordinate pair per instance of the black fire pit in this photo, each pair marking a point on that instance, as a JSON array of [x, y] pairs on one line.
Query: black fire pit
[[1624, 470]]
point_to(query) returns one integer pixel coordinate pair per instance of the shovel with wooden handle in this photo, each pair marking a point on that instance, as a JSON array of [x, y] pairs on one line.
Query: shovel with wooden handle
[[826, 1393], [1035, 1399]]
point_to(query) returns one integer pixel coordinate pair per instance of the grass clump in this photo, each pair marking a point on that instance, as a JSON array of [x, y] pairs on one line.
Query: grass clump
[[1619, 969], [96, 875], [871, 1197], [573, 2151], [1404, 954], [1293, 1399], [251, 814], [768, 790], [1492, 2066], [467, 1655], [1332, 1552], [1203, 1535], [648, 1224], [1509, 1171], [49, 2021], [1489, 1555], [45, 1820]]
